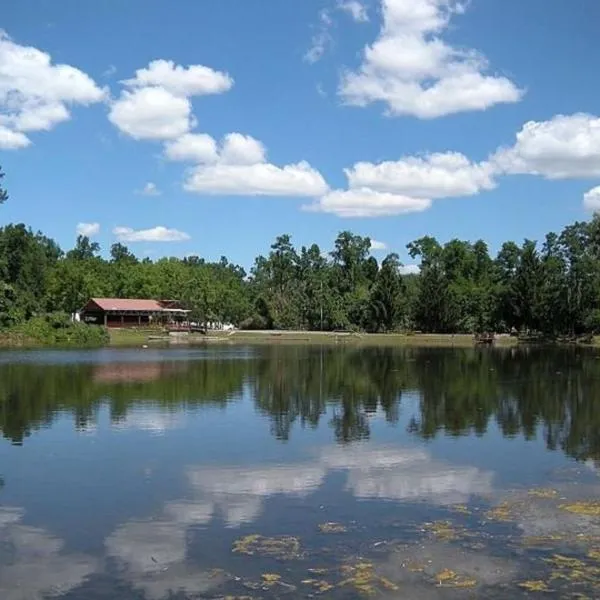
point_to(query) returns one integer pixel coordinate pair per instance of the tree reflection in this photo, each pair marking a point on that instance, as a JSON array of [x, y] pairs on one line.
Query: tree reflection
[[530, 392]]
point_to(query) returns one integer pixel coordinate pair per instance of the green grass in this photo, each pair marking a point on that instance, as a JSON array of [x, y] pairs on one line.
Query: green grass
[[133, 336], [379, 339]]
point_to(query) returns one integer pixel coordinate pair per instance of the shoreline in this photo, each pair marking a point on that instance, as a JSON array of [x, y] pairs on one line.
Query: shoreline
[[137, 338]]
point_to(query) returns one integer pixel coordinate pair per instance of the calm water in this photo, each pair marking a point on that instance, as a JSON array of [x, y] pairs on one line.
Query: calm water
[[299, 472]]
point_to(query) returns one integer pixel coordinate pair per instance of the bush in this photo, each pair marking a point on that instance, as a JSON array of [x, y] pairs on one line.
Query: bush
[[56, 329]]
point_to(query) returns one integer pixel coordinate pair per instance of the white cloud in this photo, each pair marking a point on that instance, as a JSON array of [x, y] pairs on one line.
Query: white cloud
[[405, 186], [153, 421], [238, 493], [150, 189], [12, 140], [414, 72], [591, 199], [195, 80], [194, 147], [155, 104], [35, 94], [566, 146], [355, 9], [88, 229], [261, 179], [365, 202], [152, 113], [439, 175], [148, 546], [152, 556], [375, 245], [38, 564], [238, 149], [322, 38], [410, 269], [407, 474], [156, 234]]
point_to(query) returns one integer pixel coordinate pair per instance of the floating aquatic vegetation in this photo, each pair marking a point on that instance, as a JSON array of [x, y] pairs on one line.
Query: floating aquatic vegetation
[[461, 508], [542, 541], [536, 585], [574, 570], [588, 509], [545, 493], [449, 578], [502, 512], [363, 578], [332, 528], [443, 530], [282, 547], [270, 578], [319, 585], [594, 554]]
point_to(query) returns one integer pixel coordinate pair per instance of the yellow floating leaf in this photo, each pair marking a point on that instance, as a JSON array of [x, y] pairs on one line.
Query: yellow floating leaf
[[535, 586], [332, 528]]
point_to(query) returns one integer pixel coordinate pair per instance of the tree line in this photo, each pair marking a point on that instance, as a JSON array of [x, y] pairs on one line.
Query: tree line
[[552, 288]]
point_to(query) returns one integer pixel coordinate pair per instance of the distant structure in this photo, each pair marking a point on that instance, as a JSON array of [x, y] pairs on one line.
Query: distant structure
[[130, 312]]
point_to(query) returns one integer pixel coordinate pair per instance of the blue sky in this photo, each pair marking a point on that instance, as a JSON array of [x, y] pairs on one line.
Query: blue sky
[[219, 125]]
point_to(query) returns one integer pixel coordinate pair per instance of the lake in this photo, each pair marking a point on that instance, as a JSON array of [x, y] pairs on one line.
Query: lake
[[298, 472]]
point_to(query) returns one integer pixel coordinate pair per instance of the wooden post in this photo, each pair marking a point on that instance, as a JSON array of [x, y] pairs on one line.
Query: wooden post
[[105, 319]]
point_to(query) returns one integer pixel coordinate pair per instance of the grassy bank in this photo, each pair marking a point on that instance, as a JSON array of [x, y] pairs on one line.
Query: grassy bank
[[139, 337], [40, 333], [379, 339]]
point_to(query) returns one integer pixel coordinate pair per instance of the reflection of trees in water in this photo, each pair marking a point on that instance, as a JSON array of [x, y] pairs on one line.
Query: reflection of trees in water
[[32, 395], [525, 391]]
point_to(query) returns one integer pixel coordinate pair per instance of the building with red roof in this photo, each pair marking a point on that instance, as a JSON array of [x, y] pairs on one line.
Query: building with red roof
[[132, 312]]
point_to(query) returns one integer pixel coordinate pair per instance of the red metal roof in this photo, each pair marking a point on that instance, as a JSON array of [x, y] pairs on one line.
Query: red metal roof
[[124, 304]]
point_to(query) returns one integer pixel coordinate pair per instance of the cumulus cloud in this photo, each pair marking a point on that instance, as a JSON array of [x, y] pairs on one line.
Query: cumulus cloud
[[35, 94], [192, 147], [156, 234], [414, 72], [365, 202], [241, 149], [195, 80], [375, 245], [88, 229], [591, 199], [150, 189], [260, 179], [238, 166], [566, 146], [155, 104], [438, 175], [406, 185], [152, 113]]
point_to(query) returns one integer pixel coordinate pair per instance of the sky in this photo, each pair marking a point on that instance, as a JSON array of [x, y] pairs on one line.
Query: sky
[[210, 127]]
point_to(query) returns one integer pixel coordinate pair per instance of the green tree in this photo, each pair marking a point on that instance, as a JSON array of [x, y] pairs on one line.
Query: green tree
[[3, 192]]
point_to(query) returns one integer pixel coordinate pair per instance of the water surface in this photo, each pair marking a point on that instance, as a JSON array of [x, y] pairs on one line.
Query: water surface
[[268, 472]]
